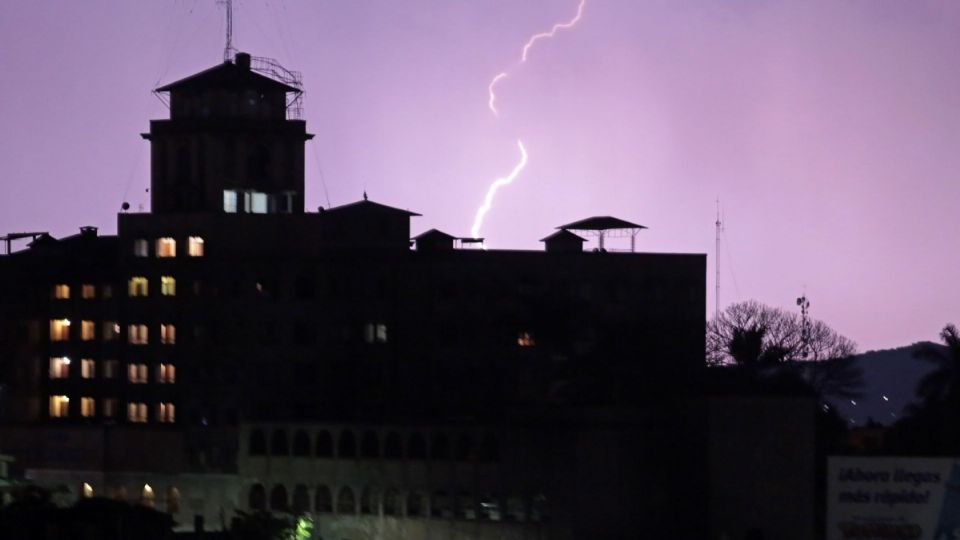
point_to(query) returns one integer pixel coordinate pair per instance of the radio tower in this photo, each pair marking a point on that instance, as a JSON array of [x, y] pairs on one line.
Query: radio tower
[[228, 50], [716, 263]]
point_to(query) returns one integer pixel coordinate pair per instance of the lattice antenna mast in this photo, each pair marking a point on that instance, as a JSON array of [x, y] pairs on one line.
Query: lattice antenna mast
[[716, 263], [805, 326], [228, 50]]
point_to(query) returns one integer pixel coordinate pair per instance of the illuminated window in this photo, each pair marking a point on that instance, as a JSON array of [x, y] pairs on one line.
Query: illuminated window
[[195, 246], [138, 286], [59, 368], [88, 292], [230, 201], [168, 334], [254, 202], [166, 413], [137, 373], [141, 248], [60, 330], [173, 500], [109, 407], [88, 369], [110, 369], [168, 286], [111, 331], [137, 412], [86, 490], [137, 334], [375, 333], [61, 291], [166, 373], [88, 330], [147, 497], [59, 406], [166, 247], [87, 407], [525, 339]]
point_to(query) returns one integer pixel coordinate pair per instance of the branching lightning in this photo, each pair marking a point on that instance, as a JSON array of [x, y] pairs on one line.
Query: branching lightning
[[491, 104]]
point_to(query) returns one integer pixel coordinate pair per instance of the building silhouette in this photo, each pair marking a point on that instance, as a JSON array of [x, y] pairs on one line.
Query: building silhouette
[[231, 350]]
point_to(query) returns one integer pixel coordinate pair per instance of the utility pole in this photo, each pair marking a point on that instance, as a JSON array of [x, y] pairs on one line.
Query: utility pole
[[716, 263]]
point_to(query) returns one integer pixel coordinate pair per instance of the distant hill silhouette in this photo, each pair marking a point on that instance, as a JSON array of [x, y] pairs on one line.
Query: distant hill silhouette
[[893, 373]]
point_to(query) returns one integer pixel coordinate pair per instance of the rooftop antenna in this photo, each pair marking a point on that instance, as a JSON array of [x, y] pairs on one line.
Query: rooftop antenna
[[228, 50], [716, 262], [805, 326]]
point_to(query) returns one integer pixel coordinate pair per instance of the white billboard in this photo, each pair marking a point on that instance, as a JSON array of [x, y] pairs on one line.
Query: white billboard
[[893, 498]]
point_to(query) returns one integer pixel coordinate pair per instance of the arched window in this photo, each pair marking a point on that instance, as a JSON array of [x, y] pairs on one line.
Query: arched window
[[415, 507], [301, 499], [440, 505], [416, 447], [370, 446], [489, 450], [258, 443], [147, 496], [324, 444], [278, 497], [323, 502], [516, 509], [346, 503], [370, 501], [258, 497], [348, 445], [173, 500], [441, 448], [278, 443], [464, 447], [392, 447], [391, 503], [465, 506], [490, 508], [538, 508], [301, 443]]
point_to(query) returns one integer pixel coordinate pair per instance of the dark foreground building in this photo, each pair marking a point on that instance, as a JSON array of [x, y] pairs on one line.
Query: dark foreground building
[[230, 350]]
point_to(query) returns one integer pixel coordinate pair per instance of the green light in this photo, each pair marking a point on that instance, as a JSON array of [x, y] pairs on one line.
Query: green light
[[304, 529]]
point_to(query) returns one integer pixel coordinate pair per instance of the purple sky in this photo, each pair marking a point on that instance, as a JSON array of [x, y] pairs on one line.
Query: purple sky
[[830, 129]]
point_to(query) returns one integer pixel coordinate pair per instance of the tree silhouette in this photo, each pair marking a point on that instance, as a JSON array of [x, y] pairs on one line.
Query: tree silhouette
[[943, 383]]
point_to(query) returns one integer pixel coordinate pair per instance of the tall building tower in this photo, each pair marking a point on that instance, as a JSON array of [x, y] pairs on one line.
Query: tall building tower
[[233, 142]]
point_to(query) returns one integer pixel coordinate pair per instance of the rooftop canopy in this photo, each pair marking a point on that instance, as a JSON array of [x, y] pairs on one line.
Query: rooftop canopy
[[600, 223]]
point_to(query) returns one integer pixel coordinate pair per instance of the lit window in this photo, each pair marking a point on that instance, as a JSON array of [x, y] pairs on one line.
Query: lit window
[[230, 201], [141, 248], [166, 373], [168, 286], [60, 330], [88, 368], [59, 368], [87, 490], [61, 291], [195, 246], [87, 407], [147, 496], [166, 247], [137, 412], [255, 202], [88, 330], [109, 407], [137, 334], [59, 406], [168, 334], [111, 331], [138, 286], [110, 369], [525, 339], [375, 333], [137, 373], [166, 412]]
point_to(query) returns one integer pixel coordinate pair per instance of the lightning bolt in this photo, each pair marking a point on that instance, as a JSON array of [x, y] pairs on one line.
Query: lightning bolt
[[497, 184], [492, 105]]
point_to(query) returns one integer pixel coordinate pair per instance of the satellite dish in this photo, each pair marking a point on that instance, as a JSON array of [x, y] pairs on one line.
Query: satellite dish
[[125, 206]]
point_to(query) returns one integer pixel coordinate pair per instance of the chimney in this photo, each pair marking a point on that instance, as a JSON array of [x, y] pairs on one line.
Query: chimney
[[242, 60]]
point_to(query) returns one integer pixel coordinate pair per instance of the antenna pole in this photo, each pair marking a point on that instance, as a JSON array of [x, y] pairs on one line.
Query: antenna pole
[[716, 263], [229, 47]]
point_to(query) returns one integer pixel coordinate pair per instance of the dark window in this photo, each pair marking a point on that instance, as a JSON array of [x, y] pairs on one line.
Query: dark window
[[415, 504], [258, 497], [324, 500], [370, 501], [465, 507], [391, 503], [324, 444], [258, 443], [278, 443], [346, 503], [538, 508], [278, 498], [370, 447], [301, 444], [464, 447], [441, 448], [392, 448], [417, 447], [489, 451], [348, 445], [440, 505], [301, 499]]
